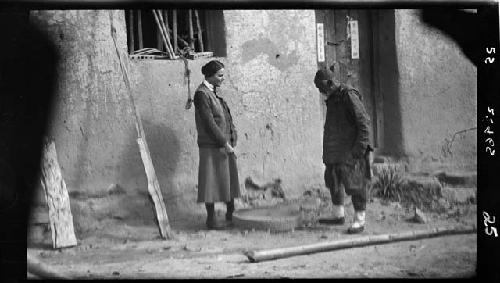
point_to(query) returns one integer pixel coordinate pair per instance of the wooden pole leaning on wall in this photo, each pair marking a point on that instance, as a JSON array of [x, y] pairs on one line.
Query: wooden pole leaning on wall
[[200, 33], [263, 255], [56, 194], [153, 184]]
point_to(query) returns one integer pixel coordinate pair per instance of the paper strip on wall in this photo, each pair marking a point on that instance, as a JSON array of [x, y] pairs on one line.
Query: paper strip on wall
[[353, 25], [320, 34]]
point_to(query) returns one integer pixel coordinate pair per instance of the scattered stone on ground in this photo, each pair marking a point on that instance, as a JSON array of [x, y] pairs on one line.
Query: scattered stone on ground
[[419, 216], [119, 248]]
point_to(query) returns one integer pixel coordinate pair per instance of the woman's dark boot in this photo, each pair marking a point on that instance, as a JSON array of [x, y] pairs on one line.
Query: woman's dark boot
[[229, 210], [211, 221]]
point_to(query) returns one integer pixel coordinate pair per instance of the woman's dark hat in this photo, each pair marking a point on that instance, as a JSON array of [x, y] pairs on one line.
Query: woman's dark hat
[[212, 67]]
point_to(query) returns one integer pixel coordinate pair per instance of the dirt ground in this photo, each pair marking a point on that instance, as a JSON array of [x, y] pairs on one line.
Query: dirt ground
[[122, 251]]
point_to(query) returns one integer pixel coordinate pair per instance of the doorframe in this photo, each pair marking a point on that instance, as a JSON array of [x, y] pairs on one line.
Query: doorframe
[[375, 88], [378, 99]]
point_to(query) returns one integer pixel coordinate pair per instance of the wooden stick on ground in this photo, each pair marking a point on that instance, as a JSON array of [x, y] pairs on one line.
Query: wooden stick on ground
[[60, 218], [153, 184], [198, 26], [263, 255]]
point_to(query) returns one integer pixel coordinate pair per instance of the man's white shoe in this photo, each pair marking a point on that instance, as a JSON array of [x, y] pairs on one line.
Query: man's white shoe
[[359, 223], [338, 211]]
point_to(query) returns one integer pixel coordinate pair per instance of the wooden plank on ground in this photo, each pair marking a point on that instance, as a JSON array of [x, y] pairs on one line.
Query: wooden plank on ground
[[263, 255], [60, 217]]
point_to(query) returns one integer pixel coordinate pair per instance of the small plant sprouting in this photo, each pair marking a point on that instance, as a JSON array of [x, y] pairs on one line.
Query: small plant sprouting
[[389, 183]]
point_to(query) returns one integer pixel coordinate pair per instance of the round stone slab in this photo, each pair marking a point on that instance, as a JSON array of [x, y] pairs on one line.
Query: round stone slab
[[279, 218]]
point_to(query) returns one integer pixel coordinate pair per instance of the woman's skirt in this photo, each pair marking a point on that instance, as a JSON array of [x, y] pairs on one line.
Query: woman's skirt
[[217, 176]]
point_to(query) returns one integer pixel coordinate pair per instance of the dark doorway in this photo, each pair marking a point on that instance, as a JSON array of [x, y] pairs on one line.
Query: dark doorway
[[361, 66]]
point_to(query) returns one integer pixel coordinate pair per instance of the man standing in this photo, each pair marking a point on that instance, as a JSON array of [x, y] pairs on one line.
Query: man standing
[[345, 149]]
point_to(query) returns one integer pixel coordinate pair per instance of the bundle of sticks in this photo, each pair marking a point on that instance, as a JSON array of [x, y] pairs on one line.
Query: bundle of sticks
[[165, 35], [170, 37]]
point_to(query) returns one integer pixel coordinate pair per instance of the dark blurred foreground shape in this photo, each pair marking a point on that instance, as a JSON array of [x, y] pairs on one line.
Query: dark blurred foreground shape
[[459, 25], [28, 62]]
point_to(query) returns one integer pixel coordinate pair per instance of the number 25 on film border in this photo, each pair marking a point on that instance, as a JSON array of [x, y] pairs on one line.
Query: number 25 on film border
[[490, 60], [488, 220]]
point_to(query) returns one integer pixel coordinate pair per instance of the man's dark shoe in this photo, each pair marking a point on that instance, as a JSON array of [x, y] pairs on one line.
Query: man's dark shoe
[[332, 221], [355, 230], [214, 225]]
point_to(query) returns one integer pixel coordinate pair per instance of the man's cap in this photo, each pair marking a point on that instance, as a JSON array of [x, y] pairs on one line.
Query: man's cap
[[322, 75]]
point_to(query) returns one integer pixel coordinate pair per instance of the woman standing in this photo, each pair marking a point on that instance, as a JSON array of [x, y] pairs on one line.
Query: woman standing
[[218, 171]]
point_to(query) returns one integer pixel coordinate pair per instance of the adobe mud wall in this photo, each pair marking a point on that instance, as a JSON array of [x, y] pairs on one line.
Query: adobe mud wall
[[429, 93], [270, 65], [268, 86], [438, 97]]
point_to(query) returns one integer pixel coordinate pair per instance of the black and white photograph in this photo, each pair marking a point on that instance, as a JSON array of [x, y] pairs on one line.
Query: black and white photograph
[[239, 140]]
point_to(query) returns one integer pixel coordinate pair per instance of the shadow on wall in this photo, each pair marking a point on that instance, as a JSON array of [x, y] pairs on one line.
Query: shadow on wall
[[388, 73], [165, 149], [459, 25], [82, 158], [28, 76], [131, 205]]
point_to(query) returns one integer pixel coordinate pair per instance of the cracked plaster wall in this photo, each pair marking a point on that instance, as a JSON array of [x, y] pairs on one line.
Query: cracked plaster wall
[[272, 62], [438, 97]]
